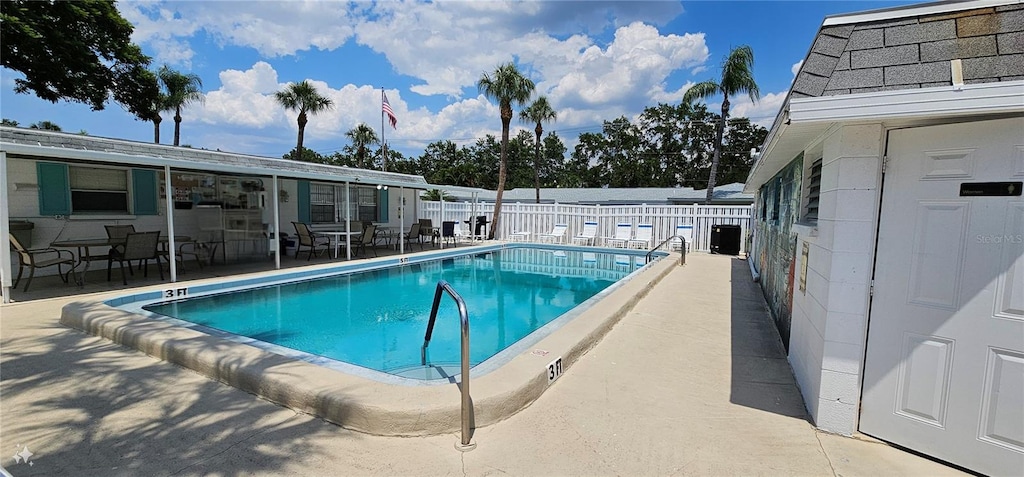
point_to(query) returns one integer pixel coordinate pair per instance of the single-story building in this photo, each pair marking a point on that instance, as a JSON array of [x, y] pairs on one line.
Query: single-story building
[[889, 229], [727, 194], [55, 186]]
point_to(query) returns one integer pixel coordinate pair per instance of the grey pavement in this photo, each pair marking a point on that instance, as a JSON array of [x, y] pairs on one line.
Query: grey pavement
[[693, 381]]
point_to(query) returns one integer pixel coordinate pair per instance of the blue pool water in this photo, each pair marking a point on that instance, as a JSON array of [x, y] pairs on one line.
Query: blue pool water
[[376, 319]]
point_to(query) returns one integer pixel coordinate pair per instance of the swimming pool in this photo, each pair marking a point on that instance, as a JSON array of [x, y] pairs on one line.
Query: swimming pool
[[372, 401], [375, 319]]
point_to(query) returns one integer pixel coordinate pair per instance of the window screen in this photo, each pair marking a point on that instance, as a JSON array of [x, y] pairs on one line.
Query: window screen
[[98, 190]]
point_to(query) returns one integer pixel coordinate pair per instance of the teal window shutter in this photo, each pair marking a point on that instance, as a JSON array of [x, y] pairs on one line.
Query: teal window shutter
[[145, 197], [382, 206], [54, 191], [303, 199]]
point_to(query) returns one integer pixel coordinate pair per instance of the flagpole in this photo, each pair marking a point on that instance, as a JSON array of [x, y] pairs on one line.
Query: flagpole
[[383, 150]]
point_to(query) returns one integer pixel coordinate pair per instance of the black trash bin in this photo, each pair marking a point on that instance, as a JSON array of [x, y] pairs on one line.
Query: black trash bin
[[725, 239]]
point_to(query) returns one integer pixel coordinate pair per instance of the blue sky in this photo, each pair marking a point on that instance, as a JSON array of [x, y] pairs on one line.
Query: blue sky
[[594, 60]]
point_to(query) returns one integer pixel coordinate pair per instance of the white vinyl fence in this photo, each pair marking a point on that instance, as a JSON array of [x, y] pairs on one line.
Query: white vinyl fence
[[541, 218]]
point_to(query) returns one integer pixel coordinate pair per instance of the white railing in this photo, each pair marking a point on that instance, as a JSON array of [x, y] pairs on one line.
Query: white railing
[[541, 218]]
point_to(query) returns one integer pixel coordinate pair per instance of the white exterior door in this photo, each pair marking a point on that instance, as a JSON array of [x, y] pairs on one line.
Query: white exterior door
[[944, 370]]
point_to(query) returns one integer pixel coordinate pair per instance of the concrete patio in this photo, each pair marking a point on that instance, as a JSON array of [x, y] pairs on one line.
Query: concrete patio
[[693, 381]]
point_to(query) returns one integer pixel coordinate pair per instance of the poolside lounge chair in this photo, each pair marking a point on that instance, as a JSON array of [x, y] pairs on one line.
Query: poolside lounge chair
[[141, 246], [642, 238], [367, 238], [462, 232], [38, 258], [623, 232], [523, 236], [686, 232], [310, 241], [556, 235], [586, 237]]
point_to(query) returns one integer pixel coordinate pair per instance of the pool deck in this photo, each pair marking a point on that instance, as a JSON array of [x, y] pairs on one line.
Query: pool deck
[[692, 381]]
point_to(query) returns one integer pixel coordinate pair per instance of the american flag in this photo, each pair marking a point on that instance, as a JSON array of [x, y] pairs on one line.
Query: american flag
[[386, 107]]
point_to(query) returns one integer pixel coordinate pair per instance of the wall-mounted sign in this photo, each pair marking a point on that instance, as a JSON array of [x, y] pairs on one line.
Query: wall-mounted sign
[[991, 189], [803, 267]]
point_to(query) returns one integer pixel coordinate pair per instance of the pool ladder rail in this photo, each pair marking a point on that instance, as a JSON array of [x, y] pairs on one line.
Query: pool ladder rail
[[682, 249], [467, 403]]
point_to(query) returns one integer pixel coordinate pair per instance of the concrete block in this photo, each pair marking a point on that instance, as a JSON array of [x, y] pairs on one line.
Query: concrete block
[[856, 204], [855, 79], [829, 175], [919, 73], [1009, 43], [850, 267], [946, 50], [993, 66], [845, 297], [845, 328], [844, 387], [829, 45], [809, 84], [852, 236], [820, 262], [836, 417], [827, 204], [858, 172], [893, 55], [866, 39], [826, 231], [820, 65], [842, 357]]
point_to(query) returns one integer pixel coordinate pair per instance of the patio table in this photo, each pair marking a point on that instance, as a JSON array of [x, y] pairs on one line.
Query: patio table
[[336, 236], [85, 256]]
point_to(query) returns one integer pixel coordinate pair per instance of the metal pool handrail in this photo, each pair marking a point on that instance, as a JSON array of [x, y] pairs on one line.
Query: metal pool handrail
[[467, 404], [682, 249]]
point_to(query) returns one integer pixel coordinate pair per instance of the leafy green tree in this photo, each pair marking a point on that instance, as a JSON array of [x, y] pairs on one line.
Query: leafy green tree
[[552, 164], [9, 122], [508, 87], [308, 155], [304, 98], [737, 77], [180, 90], [47, 125], [77, 51], [437, 195], [538, 112], [362, 136], [741, 136]]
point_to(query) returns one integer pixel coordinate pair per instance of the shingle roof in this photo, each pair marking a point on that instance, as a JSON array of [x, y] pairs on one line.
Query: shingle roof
[[56, 144], [731, 193]]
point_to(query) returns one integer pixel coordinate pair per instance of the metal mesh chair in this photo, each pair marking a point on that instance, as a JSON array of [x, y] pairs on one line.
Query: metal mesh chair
[[310, 241], [141, 246], [367, 238], [41, 258]]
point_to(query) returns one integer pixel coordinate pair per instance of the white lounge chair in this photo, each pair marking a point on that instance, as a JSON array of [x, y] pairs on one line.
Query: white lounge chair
[[686, 232], [519, 237], [623, 232], [643, 237], [556, 236], [586, 237]]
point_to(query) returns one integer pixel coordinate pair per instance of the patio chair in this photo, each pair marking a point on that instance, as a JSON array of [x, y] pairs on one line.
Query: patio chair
[[41, 258], [310, 241], [448, 232], [367, 238], [427, 230], [643, 237], [413, 233], [586, 237], [197, 250], [686, 232], [556, 235], [522, 236], [623, 232], [462, 233], [142, 246]]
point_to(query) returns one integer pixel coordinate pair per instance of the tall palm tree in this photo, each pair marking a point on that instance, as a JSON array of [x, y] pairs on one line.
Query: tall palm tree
[[361, 136], [536, 113], [737, 78], [180, 90], [304, 98], [508, 86]]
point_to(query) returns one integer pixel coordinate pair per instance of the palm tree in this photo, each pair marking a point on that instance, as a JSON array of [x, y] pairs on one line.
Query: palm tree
[[538, 112], [508, 86], [737, 77], [304, 98], [45, 125], [361, 136], [180, 90]]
